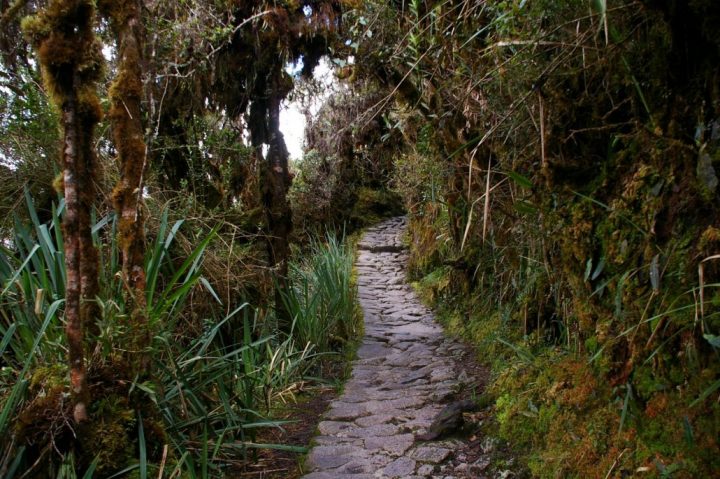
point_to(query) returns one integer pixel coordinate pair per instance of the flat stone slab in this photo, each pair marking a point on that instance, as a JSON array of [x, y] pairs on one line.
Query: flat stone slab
[[372, 349], [342, 411], [405, 371], [400, 467], [433, 455]]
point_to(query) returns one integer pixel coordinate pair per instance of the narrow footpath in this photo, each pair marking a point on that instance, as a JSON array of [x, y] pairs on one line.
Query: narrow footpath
[[407, 371]]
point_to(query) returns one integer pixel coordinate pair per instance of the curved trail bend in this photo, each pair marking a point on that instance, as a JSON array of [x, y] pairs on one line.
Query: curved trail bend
[[405, 373]]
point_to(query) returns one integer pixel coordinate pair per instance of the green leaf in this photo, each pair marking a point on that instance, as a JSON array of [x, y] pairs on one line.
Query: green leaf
[[713, 340], [524, 207], [588, 269], [598, 269], [210, 289], [143, 447], [713, 387], [688, 432], [124, 471], [21, 385], [626, 403], [600, 6], [520, 180], [91, 469], [20, 270], [7, 337], [520, 351], [19, 456], [148, 388]]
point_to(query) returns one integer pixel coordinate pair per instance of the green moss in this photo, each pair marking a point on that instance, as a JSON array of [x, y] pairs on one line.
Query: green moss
[[434, 286], [559, 413], [111, 434], [70, 58], [373, 205]]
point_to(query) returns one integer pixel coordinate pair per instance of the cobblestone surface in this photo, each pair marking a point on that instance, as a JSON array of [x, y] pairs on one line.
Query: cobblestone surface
[[405, 373]]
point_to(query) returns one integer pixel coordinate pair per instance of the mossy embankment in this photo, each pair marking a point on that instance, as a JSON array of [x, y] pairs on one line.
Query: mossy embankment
[[620, 380], [568, 227]]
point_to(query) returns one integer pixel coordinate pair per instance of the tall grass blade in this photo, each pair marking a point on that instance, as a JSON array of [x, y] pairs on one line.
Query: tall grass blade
[[707, 392], [21, 385], [123, 472], [142, 447], [626, 404], [7, 337], [91, 469], [15, 465], [20, 270]]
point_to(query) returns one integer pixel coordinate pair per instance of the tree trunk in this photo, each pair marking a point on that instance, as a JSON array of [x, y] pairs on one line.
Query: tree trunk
[[264, 125], [71, 230], [277, 210], [62, 34], [126, 95]]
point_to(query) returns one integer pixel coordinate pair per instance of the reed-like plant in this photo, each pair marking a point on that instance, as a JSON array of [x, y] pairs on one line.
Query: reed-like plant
[[322, 298], [211, 393]]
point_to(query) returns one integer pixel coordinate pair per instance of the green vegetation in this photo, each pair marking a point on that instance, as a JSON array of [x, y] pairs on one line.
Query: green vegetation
[[562, 193], [322, 299], [215, 379], [558, 161]]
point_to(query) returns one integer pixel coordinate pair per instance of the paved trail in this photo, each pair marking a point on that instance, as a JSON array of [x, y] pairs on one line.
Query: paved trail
[[405, 373]]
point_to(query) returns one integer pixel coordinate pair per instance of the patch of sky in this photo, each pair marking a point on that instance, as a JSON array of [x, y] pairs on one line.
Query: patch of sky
[[108, 52], [292, 114], [294, 69]]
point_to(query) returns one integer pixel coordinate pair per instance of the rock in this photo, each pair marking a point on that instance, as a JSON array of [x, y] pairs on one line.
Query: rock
[[404, 366], [706, 173], [479, 466], [488, 445], [433, 455], [395, 445], [401, 467], [462, 467], [449, 421], [426, 469], [346, 411]]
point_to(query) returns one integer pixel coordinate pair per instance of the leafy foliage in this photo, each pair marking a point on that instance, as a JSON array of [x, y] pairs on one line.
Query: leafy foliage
[[322, 300], [218, 386], [560, 194]]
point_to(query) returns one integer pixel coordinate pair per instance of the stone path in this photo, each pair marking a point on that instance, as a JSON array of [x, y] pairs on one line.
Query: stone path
[[405, 373]]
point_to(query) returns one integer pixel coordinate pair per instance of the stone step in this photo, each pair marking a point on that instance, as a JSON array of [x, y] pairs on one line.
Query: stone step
[[405, 373]]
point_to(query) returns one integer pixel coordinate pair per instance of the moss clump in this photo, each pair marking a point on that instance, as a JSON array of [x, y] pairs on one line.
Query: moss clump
[[42, 419], [112, 435], [126, 93], [70, 56]]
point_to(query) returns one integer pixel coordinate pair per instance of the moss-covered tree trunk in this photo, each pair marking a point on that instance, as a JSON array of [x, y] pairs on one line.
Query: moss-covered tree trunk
[[264, 124], [277, 208], [62, 34], [126, 94]]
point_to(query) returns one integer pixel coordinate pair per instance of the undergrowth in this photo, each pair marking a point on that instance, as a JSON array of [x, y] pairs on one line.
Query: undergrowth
[[559, 163], [213, 380], [556, 410]]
